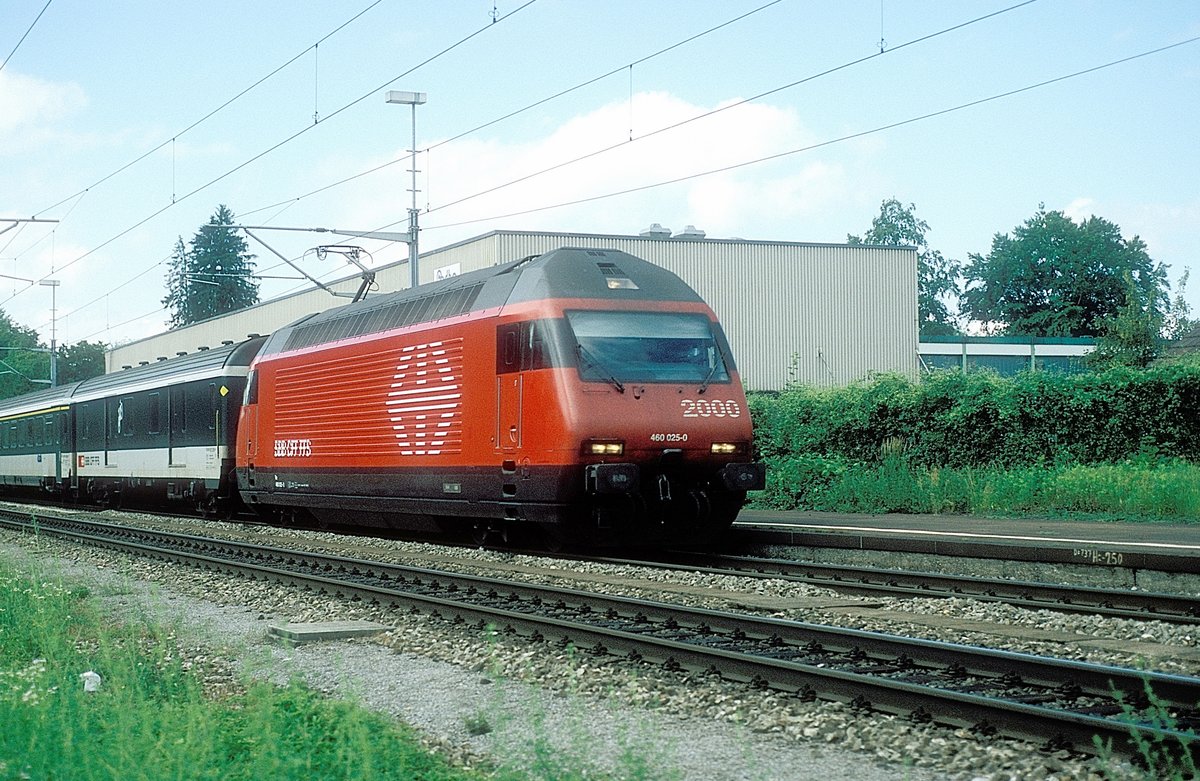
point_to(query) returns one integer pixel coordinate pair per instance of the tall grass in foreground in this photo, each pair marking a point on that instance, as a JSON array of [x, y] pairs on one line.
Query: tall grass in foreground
[[150, 718], [1135, 489]]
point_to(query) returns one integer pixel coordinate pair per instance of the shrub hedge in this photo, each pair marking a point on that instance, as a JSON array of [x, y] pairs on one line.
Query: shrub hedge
[[976, 419]]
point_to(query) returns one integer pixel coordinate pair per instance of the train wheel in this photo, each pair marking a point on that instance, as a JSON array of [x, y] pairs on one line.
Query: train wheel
[[110, 499], [214, 509], [485, 532]]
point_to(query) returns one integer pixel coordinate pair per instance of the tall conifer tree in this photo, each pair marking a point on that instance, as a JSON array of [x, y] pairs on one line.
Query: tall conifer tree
[[211, 276]]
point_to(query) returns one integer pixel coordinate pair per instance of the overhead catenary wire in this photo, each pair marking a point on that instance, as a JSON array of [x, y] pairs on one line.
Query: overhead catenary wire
[[797, 82], [26, 35], [634, 139], [282, 143], [736, 104], [830, 142], [529, 107]]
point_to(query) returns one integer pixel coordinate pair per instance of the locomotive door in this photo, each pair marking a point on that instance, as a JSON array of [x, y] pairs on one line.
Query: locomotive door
[[509, 388]]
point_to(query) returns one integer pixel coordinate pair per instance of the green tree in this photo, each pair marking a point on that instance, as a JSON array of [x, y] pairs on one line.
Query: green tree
[[1177, 317], [1056, 277], [211, 276], [23, 361], [80, 361], [1132, 337], [937, 276]]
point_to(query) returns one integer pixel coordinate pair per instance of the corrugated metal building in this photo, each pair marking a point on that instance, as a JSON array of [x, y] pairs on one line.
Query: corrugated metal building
[[819, 314]]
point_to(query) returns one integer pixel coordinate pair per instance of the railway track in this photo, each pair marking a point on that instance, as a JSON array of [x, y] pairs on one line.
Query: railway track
[[1057, 703], [1112, 603]]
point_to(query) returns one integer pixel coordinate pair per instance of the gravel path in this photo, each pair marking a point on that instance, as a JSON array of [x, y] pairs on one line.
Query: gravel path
[[531, 701]]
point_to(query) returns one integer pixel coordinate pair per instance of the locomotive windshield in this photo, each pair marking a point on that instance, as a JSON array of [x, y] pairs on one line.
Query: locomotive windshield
[[647, 347]]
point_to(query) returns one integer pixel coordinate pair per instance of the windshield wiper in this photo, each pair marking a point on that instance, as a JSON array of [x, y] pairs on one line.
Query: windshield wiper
[[586, 354], [708, 378]]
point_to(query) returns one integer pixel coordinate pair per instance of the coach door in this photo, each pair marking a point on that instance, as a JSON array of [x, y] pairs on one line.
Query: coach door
[[509, 388]]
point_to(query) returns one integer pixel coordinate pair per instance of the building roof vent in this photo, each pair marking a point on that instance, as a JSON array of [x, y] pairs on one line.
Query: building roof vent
[[656, 231], [690, 232]]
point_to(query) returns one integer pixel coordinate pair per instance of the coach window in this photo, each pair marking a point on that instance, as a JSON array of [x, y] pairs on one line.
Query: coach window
[[125, 417], [154, 425], [212, 406], [177, 409]]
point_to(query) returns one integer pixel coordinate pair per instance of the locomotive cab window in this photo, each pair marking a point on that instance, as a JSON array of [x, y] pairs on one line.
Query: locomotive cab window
[[647, 347], [528, 345]]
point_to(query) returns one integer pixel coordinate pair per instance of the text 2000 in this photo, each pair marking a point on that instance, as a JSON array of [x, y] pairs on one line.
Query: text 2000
[[710, 408]]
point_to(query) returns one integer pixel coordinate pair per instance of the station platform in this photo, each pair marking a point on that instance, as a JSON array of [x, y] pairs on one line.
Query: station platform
[[1158, 546]]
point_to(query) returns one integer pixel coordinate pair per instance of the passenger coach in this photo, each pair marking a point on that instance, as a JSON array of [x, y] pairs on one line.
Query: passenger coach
[[149, 435]]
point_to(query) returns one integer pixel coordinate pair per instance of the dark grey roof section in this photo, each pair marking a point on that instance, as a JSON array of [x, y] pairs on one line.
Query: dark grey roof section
[[562, 273], [37, 400], [573, 272], [161, 373], [438, 300], [209, 363]]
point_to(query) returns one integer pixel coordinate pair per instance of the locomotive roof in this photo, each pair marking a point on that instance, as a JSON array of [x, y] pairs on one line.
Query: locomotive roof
[[565, 273]]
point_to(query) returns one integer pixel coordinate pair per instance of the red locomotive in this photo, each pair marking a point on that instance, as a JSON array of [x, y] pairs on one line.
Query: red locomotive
[[587, 393]]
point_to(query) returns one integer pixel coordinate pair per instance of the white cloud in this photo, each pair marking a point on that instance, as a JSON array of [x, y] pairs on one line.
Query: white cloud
[[1080, 209], [725, 203], [30, 107]]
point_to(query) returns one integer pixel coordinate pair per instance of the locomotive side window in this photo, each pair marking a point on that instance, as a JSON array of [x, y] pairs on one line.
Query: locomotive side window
[[647, 347]]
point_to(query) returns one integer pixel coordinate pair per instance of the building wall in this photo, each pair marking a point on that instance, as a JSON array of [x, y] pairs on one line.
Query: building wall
[[820, 314]]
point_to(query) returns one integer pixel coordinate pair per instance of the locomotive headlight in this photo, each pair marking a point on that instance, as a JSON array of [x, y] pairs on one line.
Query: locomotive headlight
[[728, 448], [608, 447]]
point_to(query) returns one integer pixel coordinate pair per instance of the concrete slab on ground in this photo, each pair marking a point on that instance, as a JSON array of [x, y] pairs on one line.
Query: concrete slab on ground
[[319, 631]]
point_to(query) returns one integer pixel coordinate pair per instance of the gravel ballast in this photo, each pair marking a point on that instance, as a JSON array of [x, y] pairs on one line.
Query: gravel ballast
[[480, 699]]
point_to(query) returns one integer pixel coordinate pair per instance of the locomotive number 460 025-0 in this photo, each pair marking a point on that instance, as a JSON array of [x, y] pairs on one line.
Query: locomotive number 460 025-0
[[710, 408]]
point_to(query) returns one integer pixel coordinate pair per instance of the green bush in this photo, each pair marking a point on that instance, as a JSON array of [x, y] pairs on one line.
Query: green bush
[[976, 419]]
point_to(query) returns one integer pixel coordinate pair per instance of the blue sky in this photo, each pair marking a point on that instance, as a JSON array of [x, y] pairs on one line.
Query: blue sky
[[94, 87]]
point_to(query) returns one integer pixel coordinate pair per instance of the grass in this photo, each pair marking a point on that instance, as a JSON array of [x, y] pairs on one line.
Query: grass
[[1135, 490], [151, 718]]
